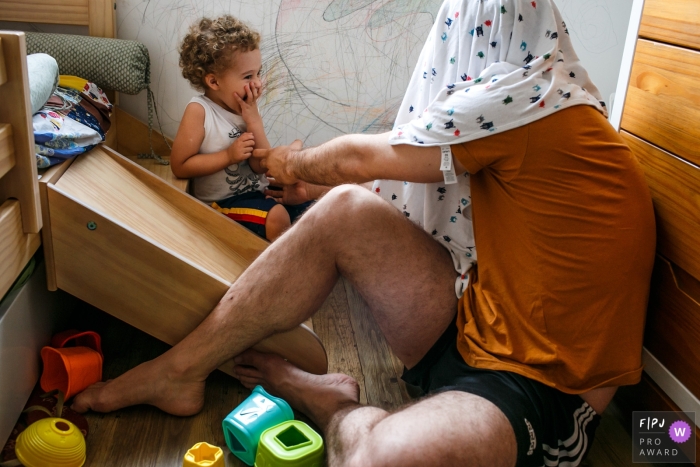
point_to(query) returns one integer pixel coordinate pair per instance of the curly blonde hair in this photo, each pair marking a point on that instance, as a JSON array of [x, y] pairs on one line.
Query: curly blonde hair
[[209, 47]]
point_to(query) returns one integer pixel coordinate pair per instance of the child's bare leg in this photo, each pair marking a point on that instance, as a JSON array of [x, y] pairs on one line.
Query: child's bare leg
[[277, 222]]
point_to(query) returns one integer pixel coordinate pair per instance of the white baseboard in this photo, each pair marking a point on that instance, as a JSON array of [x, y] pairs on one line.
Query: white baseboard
[[678, 393]]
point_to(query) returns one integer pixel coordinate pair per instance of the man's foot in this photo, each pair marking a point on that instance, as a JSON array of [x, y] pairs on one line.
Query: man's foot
[[318, 397], [148, 383]]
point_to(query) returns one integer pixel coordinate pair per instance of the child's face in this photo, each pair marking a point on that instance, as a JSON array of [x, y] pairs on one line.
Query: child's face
[[245, 70]]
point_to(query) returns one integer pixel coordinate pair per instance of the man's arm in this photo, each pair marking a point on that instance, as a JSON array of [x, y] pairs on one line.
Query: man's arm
[[353, 159]]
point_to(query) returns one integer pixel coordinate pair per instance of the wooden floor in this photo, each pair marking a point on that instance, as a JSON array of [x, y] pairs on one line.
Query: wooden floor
[[144, 436]]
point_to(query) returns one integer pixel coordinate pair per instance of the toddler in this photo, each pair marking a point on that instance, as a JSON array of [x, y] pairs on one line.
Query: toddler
[[220, 128]]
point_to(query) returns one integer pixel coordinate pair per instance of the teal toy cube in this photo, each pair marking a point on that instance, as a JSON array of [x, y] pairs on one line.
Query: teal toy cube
[[243, 426], [290, 444]]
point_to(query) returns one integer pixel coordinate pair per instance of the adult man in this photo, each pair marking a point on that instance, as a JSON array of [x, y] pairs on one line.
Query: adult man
[[547, 326]]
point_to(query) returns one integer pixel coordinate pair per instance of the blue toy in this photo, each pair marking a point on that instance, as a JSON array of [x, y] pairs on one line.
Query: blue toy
[[243, 426]]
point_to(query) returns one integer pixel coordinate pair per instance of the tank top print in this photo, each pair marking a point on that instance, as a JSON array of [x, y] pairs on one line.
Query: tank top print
[[221, 128]]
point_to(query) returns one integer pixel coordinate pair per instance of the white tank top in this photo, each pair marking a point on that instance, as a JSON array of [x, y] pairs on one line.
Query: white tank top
[[221, 128]]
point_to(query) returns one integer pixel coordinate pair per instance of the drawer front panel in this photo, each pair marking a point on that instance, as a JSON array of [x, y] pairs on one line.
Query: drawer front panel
[[663, 100], [674, 187], [125, 275], [674, 22]]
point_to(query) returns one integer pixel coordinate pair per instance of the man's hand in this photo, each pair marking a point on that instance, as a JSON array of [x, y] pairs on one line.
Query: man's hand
[[249, 104], [290, 195], [241, 149], [276, 162]]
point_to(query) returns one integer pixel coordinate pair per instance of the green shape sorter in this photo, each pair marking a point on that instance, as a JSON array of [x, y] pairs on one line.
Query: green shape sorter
[[290, 444]]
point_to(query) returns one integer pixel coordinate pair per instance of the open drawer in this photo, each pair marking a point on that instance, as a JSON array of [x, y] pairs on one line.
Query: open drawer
[[125, 241]]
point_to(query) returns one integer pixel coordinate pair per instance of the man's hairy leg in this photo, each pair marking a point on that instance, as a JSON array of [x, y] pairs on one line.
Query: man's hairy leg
[[452, 428], [404, 274]]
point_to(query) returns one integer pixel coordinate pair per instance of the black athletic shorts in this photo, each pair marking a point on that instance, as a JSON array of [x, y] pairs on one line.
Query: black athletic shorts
[[551, 427]]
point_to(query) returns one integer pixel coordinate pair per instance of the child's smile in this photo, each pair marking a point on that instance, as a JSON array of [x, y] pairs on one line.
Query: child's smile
[[244, 71]]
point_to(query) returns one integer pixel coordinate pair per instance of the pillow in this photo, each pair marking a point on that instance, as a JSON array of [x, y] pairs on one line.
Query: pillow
[[43, 79], [115, 64]]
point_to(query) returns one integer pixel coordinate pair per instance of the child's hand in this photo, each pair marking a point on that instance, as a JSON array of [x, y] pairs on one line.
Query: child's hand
[[249, 103], [241, 149], [288, 194]]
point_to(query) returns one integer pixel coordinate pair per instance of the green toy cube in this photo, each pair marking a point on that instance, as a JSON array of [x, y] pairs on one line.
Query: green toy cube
[[290, 444]]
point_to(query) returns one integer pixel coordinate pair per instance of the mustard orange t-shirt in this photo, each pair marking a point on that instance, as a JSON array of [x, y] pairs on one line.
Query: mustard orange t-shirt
[[565, 234]]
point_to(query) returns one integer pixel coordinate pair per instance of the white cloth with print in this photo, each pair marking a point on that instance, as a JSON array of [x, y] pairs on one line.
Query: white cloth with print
[[221, 129], [488, 66]]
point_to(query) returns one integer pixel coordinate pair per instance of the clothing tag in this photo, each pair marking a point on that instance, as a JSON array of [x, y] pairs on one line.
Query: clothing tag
[[446, 166], [445, 158], [450, 177]]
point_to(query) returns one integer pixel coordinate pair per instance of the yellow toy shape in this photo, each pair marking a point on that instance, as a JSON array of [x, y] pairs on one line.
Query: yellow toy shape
[[204, 455]]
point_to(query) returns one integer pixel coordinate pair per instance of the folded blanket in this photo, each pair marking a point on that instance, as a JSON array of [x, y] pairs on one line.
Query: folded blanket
[[55, 131], [59, 137], [72, 122], [84, 102], [43, 79]]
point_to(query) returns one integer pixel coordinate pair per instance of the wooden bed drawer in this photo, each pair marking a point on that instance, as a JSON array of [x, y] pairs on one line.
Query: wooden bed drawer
[[673, 323], [673, 22], [674, 185], [124, 240], [16, 247], [663, 100]]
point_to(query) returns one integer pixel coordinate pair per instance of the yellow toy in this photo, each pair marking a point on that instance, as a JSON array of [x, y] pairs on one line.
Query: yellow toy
[[204, 455], [51, 441]]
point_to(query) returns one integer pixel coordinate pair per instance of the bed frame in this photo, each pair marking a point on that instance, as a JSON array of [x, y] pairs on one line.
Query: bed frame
[[97, 15], [20, 214]]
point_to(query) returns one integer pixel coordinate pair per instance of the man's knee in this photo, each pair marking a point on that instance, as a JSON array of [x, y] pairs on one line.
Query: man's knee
[[452, 428], [349, 203]]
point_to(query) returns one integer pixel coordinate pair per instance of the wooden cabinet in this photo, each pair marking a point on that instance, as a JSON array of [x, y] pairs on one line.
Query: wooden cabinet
[[661, 124]]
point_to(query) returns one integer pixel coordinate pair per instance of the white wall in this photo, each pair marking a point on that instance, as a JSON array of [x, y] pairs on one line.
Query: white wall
[[336, 66], [326, 76], [598, 30]]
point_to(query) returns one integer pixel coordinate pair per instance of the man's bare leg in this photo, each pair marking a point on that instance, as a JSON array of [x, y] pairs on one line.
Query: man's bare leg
[[452, 428], [406, 277]]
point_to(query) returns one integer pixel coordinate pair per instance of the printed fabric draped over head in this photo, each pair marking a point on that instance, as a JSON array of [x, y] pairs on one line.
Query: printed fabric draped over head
[[487, 66]]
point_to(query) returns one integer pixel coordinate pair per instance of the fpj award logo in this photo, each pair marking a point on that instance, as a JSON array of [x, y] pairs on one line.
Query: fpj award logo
[[667, 437]]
